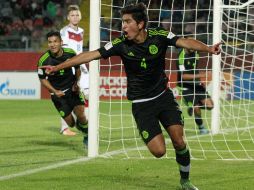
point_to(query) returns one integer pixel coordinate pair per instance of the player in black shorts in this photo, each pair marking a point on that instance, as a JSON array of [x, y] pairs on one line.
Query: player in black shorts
[[193, 91], [62, 85], [143, 54]]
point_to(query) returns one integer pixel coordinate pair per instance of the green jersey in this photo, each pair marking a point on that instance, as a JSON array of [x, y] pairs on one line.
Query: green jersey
[[144, 63], [62, 79], [187, 64]]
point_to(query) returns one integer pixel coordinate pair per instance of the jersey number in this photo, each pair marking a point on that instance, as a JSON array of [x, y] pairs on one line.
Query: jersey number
[[61, 71], [143, 63]]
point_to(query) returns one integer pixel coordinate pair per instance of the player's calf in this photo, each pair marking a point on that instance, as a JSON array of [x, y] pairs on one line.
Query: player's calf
[[83, 127]]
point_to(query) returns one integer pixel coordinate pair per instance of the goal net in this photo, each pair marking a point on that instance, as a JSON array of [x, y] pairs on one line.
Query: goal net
[[118, 134]]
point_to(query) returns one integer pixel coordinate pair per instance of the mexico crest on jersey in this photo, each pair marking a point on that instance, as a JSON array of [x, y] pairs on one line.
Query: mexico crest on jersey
[[153, 49]]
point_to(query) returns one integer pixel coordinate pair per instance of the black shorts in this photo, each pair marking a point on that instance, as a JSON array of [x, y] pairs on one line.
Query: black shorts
[[66, 103], [148, 115], [193, 97]]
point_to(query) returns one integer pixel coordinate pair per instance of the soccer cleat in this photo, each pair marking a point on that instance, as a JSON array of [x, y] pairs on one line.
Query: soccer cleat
[[203, 131], [187, 185], [68, 132], [190, 111]]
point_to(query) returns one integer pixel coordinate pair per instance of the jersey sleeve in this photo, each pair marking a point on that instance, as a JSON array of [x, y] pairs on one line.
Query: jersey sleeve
[[63, 33], [168, 37], [111, 48], [41, 72], [171, 39]]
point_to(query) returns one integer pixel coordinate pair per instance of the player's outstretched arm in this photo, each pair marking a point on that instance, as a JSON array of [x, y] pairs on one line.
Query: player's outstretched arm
[[198, 46], [82, 58], [193, 76]]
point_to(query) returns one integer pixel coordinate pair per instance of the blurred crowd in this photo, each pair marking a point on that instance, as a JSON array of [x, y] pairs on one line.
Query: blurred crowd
[[182, 18], [26, 21], [23, 23], [168, 14]]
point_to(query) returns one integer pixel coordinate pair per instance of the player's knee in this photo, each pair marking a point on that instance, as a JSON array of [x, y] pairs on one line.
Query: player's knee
[[159, 152], [157, 146], [179, 144]]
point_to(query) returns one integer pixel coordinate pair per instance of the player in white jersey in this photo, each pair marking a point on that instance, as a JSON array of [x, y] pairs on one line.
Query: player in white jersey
[[72, 37]]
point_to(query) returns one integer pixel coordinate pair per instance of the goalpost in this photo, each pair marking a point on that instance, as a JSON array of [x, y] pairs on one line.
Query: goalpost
[[220, 10], [94, 43], [112, 129]]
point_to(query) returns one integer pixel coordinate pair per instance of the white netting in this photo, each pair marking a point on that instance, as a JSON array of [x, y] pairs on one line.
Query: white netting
[[237, 111], [118, 135]]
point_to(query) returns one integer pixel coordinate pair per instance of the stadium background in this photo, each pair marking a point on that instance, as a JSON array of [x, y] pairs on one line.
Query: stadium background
[[34, 156], [23, 25]]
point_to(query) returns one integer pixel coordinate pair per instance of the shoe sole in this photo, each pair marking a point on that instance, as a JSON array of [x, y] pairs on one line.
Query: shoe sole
[[68, 134]]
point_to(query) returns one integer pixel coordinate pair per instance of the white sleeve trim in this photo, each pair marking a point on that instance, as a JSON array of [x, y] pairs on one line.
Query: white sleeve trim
[[171, 35]]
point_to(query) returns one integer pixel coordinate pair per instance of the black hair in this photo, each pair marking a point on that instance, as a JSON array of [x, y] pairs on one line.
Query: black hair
[[54, 33], [138, 12]]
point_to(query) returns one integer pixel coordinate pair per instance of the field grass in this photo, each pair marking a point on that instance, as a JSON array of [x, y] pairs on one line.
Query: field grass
[[34, 156]]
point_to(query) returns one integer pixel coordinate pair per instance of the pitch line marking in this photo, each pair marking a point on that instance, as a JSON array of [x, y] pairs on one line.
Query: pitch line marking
[[83, 159], [58, 165]]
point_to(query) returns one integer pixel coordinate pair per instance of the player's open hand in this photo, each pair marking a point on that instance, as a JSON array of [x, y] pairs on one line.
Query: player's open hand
[[49, 69], [215, 49]]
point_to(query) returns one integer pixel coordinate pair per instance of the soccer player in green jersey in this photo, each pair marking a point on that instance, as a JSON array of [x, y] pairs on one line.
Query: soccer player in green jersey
[[193, 91], [62, 85], [143, 54]]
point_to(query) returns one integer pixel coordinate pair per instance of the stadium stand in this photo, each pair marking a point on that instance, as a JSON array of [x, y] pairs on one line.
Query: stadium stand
[[23, 23]]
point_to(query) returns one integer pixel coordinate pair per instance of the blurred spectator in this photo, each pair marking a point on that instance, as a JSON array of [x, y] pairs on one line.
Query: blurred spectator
[[104, 29], [3, 29], [47, 22], [166, 24], [51, 9], [28, 23], [27, 11], [27, 20], [153, 14], [18, 11], [6, 9], [16, 26], [72, 2]]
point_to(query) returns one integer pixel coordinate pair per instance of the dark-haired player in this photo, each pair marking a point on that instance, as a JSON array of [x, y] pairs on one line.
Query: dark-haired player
[[143, 54], [62, 85], [193, 91]]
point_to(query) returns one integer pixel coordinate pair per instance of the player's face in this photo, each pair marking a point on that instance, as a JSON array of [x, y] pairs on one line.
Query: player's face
[[74, 17], [54, 44], [130, 27]]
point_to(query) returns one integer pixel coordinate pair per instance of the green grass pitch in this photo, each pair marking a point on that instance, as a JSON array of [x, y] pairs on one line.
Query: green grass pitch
[[34, 156]]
